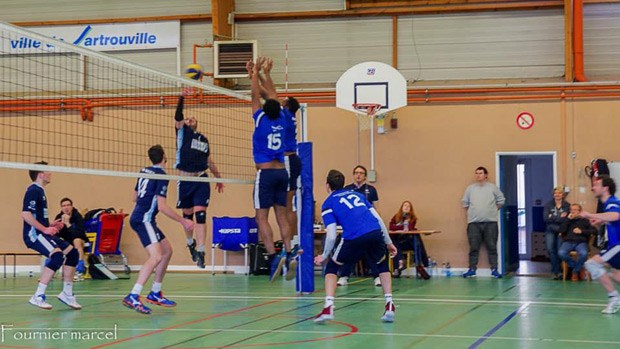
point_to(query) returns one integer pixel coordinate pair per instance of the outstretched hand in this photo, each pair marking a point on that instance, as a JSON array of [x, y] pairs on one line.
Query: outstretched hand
[[267, 65], [249, 66]]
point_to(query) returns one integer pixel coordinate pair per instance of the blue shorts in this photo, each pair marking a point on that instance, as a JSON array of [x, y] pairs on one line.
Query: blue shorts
[[270, 188], [45, 244], [612, 256], [148, 232], [193, 193], [370, 245], [293, 167]]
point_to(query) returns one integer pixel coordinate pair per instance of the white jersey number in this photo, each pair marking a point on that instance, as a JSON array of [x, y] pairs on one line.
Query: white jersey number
[[274, 141], [142, 183], [356, 201]]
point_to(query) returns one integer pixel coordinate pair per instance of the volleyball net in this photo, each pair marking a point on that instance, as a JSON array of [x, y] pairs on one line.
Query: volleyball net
[[90, 112]]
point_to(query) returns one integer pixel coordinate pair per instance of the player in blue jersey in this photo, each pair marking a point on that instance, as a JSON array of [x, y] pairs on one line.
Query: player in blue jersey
[[292, 162], [604, 188], [271, 182], [39, 235], [150, 198], [193, 158], [363, 234]]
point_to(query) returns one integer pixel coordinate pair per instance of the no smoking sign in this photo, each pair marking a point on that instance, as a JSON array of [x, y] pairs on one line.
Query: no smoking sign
[[525, 120]]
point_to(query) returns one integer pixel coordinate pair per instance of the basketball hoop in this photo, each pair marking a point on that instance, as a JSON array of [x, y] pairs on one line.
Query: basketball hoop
[[365, 113]]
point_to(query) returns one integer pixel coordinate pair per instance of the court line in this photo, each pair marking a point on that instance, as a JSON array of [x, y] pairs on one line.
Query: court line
[[498, 326], [186, 323], [397, 300]]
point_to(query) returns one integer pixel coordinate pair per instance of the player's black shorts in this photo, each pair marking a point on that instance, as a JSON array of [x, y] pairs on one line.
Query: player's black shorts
[[193, 193], [270, 188], [293, 167]]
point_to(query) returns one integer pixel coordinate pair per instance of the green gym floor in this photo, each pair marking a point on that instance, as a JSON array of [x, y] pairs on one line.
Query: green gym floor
[[235, 311]]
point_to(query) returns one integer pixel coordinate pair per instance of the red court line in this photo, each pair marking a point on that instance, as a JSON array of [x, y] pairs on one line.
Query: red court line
[[185, 324], [353, 328]]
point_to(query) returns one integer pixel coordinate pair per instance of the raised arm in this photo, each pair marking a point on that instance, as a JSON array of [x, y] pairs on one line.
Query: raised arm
[[266, 82], [255, 85], [179, 119]]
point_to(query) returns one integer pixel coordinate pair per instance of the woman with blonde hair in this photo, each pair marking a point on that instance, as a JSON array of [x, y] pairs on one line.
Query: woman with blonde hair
[[554, 214]]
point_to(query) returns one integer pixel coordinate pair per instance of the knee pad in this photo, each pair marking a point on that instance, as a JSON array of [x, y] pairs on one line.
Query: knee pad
[[201, 217], [596, 270], [188, 216], [73, 258], [331, 267], [55, 261]]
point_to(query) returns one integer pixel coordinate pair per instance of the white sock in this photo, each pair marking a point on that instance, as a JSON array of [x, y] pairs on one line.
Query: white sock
[[614, 293], [190, 241], [329, 301], [137, 289], [41, 289], [201, 248], [156, 287], [67, 288], [388, 298]]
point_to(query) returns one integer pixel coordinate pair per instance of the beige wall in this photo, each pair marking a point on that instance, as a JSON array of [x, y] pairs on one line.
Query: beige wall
[[429, 160]]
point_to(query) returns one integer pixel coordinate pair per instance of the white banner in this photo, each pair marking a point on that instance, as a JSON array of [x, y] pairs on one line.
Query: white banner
[[100, 37]]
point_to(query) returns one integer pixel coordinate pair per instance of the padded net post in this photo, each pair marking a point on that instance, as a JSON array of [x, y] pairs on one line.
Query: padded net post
[[80, 109]]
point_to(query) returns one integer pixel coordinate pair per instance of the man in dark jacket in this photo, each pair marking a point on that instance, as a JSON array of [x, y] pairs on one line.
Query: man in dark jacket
[[73, 232], [575, 233]]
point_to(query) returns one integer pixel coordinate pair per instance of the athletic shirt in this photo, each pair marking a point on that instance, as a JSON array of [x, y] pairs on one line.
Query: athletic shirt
[[613, 228], [35, 203], [268, 137], [290, 135], [369, 192], [192, 150], [148, 190], [350, 210]]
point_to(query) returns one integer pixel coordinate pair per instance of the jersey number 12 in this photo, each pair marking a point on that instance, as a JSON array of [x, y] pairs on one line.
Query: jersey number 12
[[356, 201]]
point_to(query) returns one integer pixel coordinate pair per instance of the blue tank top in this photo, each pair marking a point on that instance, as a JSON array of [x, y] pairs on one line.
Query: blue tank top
[[268, 137], [613, 228]]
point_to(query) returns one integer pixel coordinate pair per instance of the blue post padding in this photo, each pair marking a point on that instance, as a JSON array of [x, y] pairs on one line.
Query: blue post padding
[[234, 233], [305, 275]]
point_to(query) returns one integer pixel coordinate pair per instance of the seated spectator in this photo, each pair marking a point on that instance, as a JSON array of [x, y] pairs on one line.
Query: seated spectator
[[555, 213], [73, 232], [405, 220], [575, 233]]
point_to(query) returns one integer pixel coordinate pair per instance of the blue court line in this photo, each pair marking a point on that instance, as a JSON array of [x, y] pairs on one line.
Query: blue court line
[[498, 326]]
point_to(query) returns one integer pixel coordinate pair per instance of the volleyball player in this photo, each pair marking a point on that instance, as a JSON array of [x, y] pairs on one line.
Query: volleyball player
[[193, 158], [39, 236], [292, 162], [271, 182], [363, 234], [150, 198]]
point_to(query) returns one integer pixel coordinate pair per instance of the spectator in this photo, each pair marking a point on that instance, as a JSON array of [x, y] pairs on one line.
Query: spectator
[[405, 220], [575, 232], [555, 213], [483, 201], [73, 232]]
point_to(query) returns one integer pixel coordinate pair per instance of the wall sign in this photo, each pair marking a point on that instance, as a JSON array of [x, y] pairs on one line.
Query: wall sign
[[525, 120]]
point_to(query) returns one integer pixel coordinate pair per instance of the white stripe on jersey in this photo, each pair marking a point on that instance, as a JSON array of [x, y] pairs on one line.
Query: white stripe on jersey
[[326, 212], [45, 243], [258, 119], [151, 232], [611, 253], [256, 191]]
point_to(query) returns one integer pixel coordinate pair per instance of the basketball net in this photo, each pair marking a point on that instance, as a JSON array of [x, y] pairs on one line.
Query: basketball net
[[365, 113]]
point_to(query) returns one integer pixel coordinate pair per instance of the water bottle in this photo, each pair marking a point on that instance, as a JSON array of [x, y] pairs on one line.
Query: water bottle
[[406, 225], [448, 270]]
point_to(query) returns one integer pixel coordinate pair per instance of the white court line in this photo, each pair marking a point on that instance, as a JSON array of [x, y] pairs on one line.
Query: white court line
[[359, 333], [366, 299]]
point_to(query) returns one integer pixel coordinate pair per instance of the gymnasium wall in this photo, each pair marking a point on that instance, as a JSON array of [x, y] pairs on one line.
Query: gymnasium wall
[[429, 160]]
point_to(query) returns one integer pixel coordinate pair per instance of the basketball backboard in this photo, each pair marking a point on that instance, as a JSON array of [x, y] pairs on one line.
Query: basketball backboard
[[371, 82]]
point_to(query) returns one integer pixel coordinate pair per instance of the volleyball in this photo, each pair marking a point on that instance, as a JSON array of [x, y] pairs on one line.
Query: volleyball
[[193, 71]]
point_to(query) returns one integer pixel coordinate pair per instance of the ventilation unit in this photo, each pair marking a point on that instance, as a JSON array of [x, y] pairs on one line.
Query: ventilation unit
[[230, 58]]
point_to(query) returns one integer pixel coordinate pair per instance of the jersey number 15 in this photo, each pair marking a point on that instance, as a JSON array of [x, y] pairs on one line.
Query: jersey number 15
[[274, 141]]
